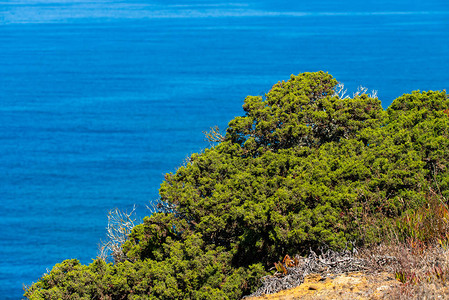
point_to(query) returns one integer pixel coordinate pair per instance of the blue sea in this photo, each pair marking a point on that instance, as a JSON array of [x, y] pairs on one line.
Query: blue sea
[[99, 99]]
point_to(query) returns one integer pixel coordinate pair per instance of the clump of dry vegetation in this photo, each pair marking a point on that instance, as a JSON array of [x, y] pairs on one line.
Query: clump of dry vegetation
[[416, 251], [292, 271]]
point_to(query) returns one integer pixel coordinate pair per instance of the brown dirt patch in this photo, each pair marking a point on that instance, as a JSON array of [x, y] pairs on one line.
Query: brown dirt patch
[[355, 285]]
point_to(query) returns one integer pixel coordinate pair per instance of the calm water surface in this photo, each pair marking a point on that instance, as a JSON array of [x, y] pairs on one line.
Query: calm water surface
[[100, 98]]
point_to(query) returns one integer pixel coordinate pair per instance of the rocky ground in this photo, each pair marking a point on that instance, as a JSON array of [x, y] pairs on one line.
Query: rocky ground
[[357, 285]]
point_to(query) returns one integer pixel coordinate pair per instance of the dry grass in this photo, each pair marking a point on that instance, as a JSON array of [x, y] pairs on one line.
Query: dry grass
[[423, 269], [416, 252]]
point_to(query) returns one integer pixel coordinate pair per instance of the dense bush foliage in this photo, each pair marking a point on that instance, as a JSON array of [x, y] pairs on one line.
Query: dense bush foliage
[[302, 168]]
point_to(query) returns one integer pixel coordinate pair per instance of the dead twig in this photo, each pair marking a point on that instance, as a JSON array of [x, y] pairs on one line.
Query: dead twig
[[120, 225]]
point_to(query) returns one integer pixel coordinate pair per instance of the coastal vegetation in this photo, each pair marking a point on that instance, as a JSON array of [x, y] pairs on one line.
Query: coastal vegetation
[[304, 167]]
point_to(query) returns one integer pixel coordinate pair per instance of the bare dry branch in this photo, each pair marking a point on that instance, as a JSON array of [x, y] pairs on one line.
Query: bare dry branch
[[214, 135], [340, 91], [120, 225]]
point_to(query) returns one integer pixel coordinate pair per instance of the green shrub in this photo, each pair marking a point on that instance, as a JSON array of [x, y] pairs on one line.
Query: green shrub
[[302, 168]]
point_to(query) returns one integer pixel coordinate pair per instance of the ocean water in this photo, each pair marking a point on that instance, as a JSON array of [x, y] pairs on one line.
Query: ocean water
[[98, 99]]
